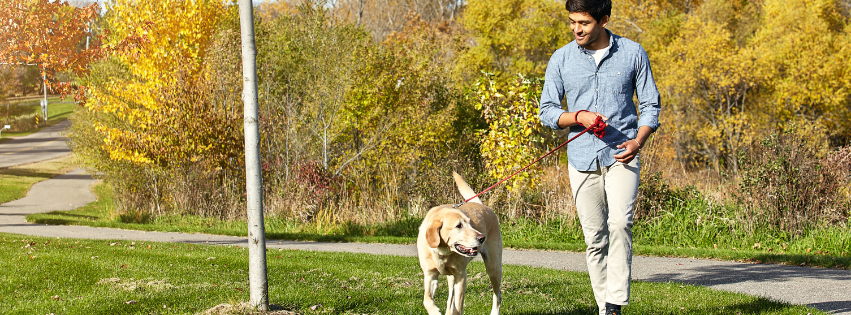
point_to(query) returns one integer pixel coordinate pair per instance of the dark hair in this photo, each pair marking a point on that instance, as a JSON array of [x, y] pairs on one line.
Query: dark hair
[[597, 9]]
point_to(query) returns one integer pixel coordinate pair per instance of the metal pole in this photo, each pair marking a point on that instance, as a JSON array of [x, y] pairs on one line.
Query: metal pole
[[44, 82], [257, 283]]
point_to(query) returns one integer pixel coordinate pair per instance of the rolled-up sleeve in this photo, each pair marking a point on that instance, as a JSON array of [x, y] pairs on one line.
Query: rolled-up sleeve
[[549, 110], [649, 101]]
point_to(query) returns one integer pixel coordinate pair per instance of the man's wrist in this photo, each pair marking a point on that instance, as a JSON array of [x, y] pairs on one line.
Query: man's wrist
[[638, 143], [576, 117]]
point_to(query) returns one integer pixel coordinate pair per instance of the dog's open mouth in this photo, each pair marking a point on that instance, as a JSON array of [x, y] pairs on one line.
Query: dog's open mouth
[[466, 251]]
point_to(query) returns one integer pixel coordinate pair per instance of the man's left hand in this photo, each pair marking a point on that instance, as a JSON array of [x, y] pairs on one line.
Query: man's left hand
[[631, 151]]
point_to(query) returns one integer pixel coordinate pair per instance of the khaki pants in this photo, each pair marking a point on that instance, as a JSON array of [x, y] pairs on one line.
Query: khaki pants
[[604, 203]]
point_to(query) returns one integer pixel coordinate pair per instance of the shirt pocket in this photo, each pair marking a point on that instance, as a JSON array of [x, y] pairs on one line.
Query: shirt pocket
[[619, 84]]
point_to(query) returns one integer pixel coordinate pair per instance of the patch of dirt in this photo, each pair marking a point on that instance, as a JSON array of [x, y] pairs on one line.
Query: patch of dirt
[[136, 285], [244, 308]]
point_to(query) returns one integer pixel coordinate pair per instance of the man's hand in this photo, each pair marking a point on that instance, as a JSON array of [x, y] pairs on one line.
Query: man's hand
[[632, 148], [587, 118]]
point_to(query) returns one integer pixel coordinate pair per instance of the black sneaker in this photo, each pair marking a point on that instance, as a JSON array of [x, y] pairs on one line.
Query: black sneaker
[[613, 309]]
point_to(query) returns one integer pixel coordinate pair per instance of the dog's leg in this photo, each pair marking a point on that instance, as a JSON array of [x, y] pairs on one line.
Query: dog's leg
[[450, 301], [430, 281], [460, 289], [493, 265]]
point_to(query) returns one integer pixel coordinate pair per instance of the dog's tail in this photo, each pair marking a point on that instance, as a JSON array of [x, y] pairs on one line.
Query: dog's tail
[[465, 189]]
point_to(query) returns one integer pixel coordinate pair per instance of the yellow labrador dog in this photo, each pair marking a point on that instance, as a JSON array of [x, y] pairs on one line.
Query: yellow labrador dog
[[449, 239]]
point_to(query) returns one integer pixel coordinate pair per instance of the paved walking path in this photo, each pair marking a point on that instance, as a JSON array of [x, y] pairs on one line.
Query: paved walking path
[[825, 289]]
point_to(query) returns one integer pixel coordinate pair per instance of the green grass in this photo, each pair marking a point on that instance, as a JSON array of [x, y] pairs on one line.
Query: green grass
[[553, 235], [67, 276], [57, 111], [16, 181]]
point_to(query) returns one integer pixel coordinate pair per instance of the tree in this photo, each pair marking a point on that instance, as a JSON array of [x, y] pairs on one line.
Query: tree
[[814, 86], [708, 83], [159, 114], [633, 18], [315, 58], [384, 17], [514, 36], [7, 78], [174, 37], [47, 34]]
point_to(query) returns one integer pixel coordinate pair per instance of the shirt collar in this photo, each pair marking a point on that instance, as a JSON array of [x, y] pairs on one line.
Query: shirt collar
[[611, 43]]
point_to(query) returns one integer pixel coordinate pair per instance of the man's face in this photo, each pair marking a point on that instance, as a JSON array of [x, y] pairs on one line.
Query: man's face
[[587, 31]]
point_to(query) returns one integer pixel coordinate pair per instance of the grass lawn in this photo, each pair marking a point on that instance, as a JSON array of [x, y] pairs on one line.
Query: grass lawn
[[16, 181], [57, 111], [68, 276]]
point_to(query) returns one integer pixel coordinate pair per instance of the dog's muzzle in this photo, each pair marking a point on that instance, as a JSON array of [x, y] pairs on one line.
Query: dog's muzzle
[[466, 251]]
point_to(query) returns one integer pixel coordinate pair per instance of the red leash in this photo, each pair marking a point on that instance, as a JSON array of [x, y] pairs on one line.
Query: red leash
[[598, 128]]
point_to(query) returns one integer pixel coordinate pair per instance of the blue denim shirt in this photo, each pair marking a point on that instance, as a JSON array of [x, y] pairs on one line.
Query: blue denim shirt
[[607, 89]]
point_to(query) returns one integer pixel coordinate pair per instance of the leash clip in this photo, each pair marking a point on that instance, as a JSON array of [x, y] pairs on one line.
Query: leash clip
[[458, 205]]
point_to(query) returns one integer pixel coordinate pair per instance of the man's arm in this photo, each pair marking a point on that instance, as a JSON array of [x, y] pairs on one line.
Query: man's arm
[[649, 106], [549, 110]]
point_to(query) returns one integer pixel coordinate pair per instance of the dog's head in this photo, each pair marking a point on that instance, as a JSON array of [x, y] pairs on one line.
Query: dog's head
[[452, 226]]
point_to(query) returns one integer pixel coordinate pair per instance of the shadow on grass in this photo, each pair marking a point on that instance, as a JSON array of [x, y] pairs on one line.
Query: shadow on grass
[[587, 311], [65, 214], [27, 173], [54, 221], [805, 260], [759, 306]]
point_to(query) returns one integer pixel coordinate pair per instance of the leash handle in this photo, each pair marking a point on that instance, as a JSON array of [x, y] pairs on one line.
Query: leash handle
[[599, 129]]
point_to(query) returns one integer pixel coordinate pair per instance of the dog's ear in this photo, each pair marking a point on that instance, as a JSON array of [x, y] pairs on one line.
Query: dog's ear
[[433, 232]]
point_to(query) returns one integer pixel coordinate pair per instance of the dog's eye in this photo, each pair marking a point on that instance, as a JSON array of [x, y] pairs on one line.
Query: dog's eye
[[459, 225]]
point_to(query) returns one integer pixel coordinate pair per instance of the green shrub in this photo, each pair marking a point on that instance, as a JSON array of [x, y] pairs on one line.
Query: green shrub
[[790, 183]]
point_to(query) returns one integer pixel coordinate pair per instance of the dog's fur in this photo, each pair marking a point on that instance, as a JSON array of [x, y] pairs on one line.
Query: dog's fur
[[449, 239]]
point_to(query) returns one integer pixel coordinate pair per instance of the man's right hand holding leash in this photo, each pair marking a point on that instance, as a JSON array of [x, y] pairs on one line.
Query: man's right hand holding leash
[[582, 117]]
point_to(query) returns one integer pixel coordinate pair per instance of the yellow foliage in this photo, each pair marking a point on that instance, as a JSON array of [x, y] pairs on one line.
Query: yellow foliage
[[513, 138], [175, 36], [707, 79], [805, 45], [514, 36]]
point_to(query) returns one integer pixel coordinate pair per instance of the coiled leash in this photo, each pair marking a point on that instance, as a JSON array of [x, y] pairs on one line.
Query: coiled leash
[[599, 129]]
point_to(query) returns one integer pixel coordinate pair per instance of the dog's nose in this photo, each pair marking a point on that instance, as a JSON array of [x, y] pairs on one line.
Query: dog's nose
[[480, 238]]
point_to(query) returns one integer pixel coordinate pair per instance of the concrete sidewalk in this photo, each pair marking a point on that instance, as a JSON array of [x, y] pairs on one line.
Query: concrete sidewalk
[[824, 289]]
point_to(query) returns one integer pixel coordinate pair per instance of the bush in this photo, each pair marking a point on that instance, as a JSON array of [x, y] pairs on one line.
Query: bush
[[789, 182]]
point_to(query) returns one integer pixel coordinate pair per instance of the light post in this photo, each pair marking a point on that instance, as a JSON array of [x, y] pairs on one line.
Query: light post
[[44, 103]]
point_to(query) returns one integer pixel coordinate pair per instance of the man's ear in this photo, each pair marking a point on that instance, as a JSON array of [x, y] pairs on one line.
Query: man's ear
[[604, 20], [433, 232]]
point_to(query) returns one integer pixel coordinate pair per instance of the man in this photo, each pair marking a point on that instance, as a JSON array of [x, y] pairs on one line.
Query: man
[[597, 75]]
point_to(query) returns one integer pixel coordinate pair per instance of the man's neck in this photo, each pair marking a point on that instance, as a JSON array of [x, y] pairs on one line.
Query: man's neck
[[600, 43]]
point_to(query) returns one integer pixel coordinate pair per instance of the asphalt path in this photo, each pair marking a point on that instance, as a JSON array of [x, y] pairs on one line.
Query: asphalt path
[[49, 143], [824, 289]]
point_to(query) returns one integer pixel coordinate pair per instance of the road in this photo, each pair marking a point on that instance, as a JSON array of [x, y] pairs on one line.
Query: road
[[49, 143], [824, 289]]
